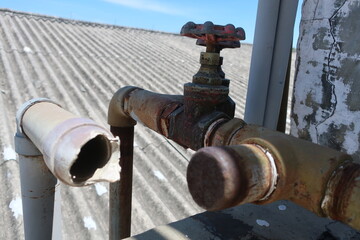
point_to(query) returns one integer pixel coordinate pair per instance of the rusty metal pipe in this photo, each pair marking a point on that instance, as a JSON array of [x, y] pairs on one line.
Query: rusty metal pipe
[[121, 191], [221, 177], [76, 150], [166, 114], [122, 125], [184, 119], [318, 178], [131, 104], [341, 201]]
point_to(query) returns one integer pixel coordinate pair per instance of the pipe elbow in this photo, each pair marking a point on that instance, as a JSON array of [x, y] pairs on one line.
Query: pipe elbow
[[23, 145], [117, 115]]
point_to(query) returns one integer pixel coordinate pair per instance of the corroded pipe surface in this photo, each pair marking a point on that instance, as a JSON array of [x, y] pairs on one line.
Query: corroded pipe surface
[[121, 192], [341, 201], [221, 177], [151, 108], [166, 114], [325, 181]]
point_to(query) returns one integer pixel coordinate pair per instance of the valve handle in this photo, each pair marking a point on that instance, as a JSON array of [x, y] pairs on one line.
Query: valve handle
[[216, 35]]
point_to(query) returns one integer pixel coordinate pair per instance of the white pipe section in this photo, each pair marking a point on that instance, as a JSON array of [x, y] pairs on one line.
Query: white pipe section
[[38, 186], [270, 57], [76, 150], [37, 189]]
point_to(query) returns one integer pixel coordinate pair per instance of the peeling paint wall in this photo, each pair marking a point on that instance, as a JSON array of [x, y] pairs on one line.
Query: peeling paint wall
[[326, 100]]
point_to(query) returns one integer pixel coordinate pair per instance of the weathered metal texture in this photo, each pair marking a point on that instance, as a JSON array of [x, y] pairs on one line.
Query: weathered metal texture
[[184, 119], [304, 172], [221, 177], [215, 38], [341, 201], [117, 117], [76, 150], [209, 34], [222, 134], [326, 89], [203, 99], [210, 72], [190, 132], [167, 115], [121, 191], [303, 169], [151, 108]]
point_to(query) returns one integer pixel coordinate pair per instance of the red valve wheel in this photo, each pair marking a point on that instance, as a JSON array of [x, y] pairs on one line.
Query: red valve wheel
[[209, 34]]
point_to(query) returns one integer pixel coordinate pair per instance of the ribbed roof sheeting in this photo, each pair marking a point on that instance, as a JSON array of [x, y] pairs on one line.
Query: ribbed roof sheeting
[[80, 65]]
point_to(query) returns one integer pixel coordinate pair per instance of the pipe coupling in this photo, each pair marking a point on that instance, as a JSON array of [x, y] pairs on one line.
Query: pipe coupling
[[117, 114]]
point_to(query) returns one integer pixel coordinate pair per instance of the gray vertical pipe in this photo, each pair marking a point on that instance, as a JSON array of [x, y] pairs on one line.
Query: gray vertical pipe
[[57, 218], [37, 189], [38, 184], [272, 45]]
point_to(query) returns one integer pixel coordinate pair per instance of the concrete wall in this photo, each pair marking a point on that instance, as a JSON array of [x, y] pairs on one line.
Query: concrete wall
[[326, 100]]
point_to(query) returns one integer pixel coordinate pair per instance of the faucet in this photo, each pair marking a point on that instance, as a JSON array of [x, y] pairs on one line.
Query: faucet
[[235, 162], [185, 119]]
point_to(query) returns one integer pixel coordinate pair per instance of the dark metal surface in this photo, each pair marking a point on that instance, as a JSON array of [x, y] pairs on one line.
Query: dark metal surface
[[121, 192], [215, 38], [221, 177], [184, 119], [320, 179], [209, 34], [342, 194]]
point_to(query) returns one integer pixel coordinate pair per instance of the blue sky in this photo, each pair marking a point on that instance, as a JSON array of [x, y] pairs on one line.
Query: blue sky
[[161, 15]]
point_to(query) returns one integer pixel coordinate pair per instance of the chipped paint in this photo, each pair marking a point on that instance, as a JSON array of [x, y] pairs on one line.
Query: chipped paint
[[9, 153], [282, 207], [89, 223], [262, 223], [27, 49], [159, 175], [16, 207], [100, 189], [326, 105]]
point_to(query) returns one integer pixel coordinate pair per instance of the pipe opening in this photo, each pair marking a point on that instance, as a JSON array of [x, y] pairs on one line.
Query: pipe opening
[[93, 155]]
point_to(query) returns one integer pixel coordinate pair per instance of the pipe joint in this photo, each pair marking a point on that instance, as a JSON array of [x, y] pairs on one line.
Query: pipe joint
[[342, 195], [117, 114], [191, 133], [23, 145], [169, 114], [262, 166]]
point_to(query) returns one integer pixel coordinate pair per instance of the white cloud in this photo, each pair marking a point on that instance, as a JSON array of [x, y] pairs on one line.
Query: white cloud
[[149, 5]]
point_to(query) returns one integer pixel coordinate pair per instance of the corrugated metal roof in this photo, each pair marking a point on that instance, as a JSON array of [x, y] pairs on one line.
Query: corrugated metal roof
[[80, 65]]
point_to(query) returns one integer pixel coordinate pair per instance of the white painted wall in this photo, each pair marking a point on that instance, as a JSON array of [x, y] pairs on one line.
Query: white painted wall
[[326, 100]]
